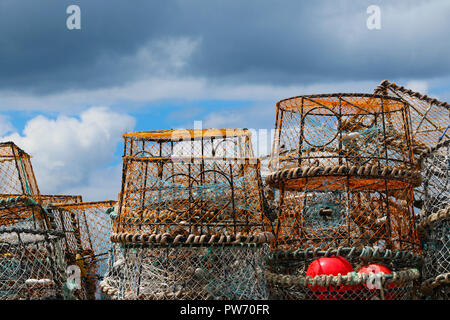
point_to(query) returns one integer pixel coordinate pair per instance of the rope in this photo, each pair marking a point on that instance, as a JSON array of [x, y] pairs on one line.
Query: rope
[[192, 239], [374, 171], [27, 188], [351, 278], [428, 285], [439, 215], [366, 252]]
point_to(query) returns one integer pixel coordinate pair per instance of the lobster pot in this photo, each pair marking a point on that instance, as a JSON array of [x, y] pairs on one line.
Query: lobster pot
[[219, 143], [434, 226], [200, 272], [429, 119], [87, 227], [32, 264], [16, 172], [191, 221], [334, 130], [372, 275]]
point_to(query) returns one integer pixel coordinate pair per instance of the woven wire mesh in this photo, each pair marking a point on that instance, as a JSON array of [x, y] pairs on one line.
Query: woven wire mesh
[[191, 196], [436, 176], [16, 171], [353, 218], [31, 265], [437, 249], [430, 121], [435, 218], [193, 273], [429, 117], [87, 228]]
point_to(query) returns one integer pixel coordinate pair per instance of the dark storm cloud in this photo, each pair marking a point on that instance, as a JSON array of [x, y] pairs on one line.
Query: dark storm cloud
[[239, 41]]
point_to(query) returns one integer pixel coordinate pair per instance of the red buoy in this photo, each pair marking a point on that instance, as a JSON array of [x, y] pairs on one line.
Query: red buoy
[[330, 266], [373, 284]]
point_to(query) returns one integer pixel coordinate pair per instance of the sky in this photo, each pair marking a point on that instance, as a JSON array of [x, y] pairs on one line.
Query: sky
[[67, 96]]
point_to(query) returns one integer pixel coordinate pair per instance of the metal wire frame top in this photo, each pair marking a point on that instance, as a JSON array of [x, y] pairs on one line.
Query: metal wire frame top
[[189, 142]]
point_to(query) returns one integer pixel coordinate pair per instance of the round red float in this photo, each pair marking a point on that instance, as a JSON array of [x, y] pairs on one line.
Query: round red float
[[372, 284], [330, 266]]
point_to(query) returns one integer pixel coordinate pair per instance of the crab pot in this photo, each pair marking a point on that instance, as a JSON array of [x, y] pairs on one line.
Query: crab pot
[[197, 272], [434, 226], [333, 130], [87, 228], [16, 172], [342, 274], [201, 191], [345, 172], [429, 119], [32, 265]]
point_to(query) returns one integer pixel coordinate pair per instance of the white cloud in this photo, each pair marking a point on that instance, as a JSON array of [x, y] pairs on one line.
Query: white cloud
[[68, 152], [170, 88], [5, 125], [101, 184]]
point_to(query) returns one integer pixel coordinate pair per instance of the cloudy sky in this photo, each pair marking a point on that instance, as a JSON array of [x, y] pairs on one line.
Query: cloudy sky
[[66, 96]]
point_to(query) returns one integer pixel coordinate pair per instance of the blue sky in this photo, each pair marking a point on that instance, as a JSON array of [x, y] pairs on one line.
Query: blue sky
[[67, 96]]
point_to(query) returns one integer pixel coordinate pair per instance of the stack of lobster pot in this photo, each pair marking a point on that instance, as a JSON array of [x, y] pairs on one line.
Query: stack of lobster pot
[[342, 175], [434, 227], [430, 124], [32, 262], [87, 228], [190, 222]]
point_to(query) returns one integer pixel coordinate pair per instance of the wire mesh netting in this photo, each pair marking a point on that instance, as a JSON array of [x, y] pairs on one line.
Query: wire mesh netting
[[193, 273], [430, 121], [87, 228], [353, 218], [23, 212], [16, 172], [429, 117], [31, 264], [435, 220], [191, 196]]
